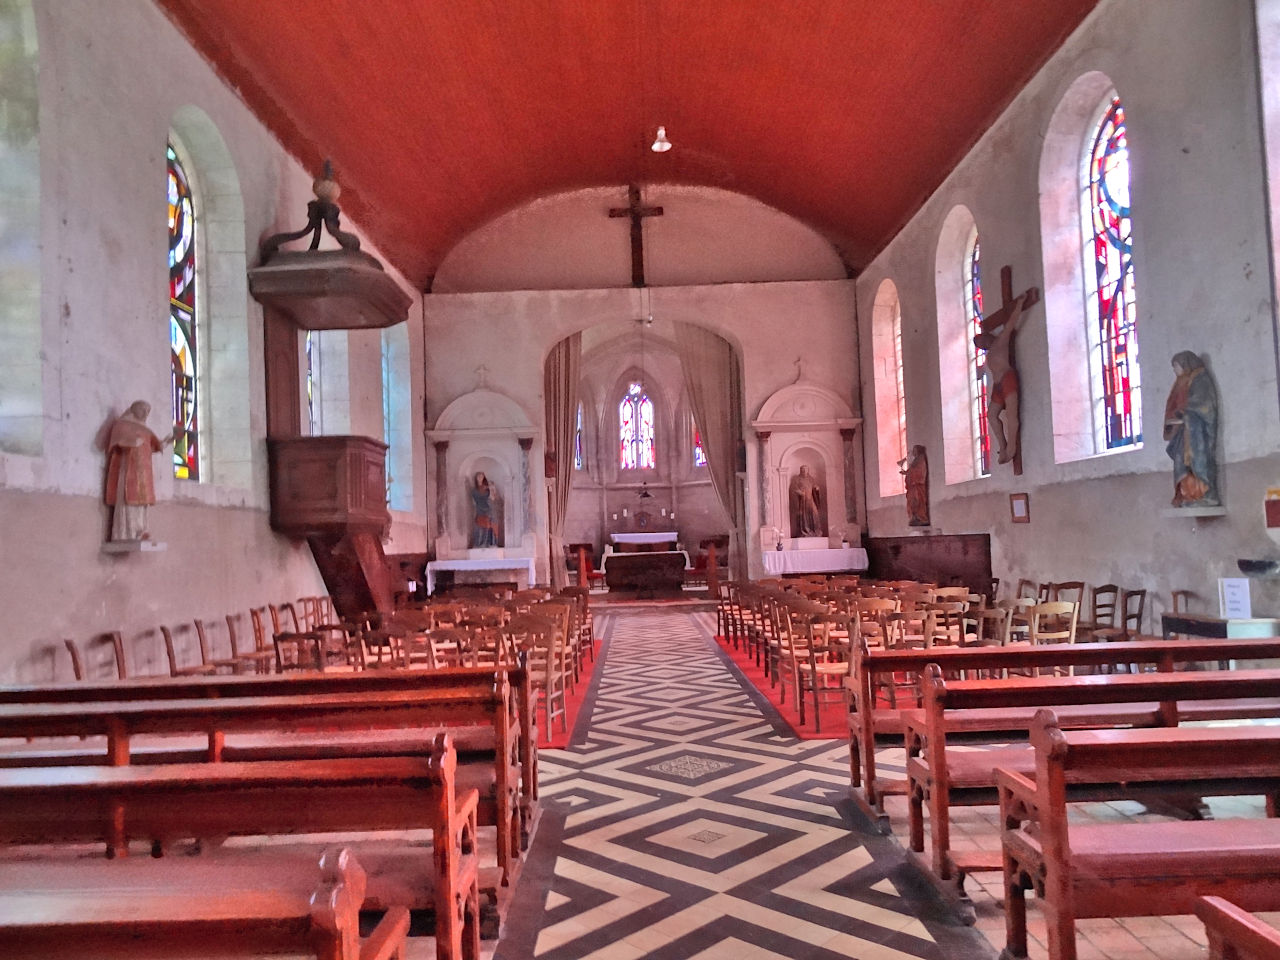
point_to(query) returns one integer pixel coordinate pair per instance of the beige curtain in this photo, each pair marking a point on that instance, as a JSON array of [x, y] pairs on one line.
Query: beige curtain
[[560, 389], [713, 382]]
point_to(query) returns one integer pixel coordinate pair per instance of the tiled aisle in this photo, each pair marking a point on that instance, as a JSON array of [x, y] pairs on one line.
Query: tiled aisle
[[684, 822]]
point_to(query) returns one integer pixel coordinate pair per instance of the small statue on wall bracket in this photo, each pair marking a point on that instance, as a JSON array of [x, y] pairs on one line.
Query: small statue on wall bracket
[[915, 471], [131, 486], [1191, 429]]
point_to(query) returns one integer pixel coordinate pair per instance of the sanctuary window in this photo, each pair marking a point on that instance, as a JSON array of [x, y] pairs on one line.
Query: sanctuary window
[[577, 440], [184, 378], [972, 285], [699, 455], [636, 430], [311, 352], [1110, 304]]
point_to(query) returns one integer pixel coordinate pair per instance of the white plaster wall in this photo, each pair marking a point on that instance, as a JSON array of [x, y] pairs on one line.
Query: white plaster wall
[[1185, 72], [113, 76], [568, 241], [770, 324]]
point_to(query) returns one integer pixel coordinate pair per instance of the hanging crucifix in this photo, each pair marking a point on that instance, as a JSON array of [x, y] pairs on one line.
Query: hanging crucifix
[[637, 213], [1000, 370]]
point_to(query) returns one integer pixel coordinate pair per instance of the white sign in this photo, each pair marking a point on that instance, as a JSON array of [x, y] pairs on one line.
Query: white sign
[[1233, 598]]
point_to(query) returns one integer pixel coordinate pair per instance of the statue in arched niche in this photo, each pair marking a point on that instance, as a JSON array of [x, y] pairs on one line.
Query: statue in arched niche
[[485, 510], [806, 505]]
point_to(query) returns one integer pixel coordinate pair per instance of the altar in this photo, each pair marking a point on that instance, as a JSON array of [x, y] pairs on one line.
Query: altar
[[647, 539], [831, 560], [517, 565]]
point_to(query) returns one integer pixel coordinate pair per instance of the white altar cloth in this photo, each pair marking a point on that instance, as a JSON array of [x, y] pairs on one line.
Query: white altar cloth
[[663, 536], [778, 562], [517, 564], [604, 561]]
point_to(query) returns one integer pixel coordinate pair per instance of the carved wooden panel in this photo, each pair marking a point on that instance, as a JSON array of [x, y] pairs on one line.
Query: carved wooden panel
[[327, 485], [943, 559]]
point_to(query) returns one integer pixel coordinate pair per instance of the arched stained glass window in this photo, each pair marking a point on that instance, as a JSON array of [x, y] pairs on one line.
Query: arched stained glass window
[[699, 455], [182, 321], [312, 349], [577, 440], [1109, 291], [635, 430], [977, 356]]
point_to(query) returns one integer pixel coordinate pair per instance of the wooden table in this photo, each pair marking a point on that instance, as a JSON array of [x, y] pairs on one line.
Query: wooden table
[[1203, 625]]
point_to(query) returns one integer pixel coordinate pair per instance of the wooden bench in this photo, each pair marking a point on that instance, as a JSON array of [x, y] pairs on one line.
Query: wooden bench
[[499, 759], [1236, 934], [52, 910], [867, 719], [940, 776], [207, 802], [1133, 869]]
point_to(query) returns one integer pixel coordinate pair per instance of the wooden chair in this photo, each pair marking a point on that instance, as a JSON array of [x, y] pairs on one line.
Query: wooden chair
[[1069, 591], [77, 664], [945, 626], [1102, 610], [180, 670], [1132, 605], [544, 643], [1053, 622], [258, 659], [1236, 934], [231, 664], [824, 673], [1026, 588]]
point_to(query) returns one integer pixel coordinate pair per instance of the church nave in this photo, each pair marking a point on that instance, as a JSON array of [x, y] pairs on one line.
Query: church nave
[[685, 820]]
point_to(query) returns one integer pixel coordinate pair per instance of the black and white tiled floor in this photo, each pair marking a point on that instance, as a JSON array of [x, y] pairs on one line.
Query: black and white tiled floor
[[685, 822]]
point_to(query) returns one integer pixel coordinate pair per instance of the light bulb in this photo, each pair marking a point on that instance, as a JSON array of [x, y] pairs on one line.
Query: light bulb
[[660, 143]]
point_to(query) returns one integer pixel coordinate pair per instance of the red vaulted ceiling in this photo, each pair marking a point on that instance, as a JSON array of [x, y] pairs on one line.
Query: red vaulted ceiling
[[441, 114]]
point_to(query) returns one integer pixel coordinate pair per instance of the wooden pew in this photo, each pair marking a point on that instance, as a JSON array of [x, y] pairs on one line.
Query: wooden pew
[[867, 719], [444, 700], [940, 777], [168, 803], [52, 910], [316, 726], [1133, 869], [1236, 934]]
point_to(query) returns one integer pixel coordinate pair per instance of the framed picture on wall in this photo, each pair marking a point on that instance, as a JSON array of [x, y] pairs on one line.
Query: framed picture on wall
[[1020, 507]]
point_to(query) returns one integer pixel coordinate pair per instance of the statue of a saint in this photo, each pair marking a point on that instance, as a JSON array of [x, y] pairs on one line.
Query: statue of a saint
[[1191, 428], [915, 471], [484, 532], [131, 486], [806, 505], [1002, 379]]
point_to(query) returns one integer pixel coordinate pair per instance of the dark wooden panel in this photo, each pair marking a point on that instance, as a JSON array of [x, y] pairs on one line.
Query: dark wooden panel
[[944, 559]]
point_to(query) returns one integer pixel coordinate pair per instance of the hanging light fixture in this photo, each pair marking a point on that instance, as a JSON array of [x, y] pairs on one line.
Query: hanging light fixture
[[660, 143], [644, 493]]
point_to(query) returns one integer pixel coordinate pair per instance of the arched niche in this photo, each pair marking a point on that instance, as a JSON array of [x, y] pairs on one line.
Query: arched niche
[[483, 432], [805, 424]]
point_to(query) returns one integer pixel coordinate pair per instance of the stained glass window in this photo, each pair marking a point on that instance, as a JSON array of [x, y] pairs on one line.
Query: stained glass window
[[1109, 290], [636, 430], [182, 321], [313, 357], [577, 441], [699, 455], [973, 318]]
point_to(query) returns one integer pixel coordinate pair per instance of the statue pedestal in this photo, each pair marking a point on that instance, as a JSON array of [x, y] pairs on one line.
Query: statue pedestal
[[1194, 512], [134, 546]]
